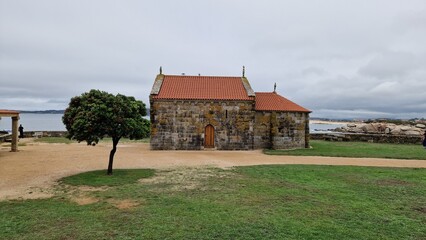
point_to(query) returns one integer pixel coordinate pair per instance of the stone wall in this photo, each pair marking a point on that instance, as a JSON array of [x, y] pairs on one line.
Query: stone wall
[[180, 125], [360, 137], [281, 130]]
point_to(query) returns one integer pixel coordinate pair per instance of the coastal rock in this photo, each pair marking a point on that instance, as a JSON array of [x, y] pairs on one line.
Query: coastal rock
[[387, 130], [391, 126], [405, 128], [355, 130], [383, 128], [413, 133], [396, 130], [369, 128]]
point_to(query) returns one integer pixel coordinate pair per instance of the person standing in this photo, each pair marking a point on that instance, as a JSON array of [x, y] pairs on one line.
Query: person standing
[[21, 131]]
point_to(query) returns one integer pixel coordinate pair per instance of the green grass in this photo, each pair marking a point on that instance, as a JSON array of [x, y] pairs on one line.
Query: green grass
[[100, 178], [357, 150], [258, 202]]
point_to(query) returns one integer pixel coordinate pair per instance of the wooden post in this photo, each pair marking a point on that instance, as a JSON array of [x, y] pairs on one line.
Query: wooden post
[[14, 134]]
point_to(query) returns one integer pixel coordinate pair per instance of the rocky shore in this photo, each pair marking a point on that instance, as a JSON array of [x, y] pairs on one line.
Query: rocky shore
[[378, 132], [383, 128]]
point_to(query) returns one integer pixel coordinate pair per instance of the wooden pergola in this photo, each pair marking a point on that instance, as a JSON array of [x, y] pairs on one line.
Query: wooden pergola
[[15, 119]]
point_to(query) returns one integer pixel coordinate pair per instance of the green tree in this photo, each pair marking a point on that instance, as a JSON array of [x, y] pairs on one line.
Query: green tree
[[97, 114]]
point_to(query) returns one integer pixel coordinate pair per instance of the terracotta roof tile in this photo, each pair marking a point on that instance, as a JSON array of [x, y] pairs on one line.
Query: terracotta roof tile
[[8, 112], [270, 101], [202, 88]]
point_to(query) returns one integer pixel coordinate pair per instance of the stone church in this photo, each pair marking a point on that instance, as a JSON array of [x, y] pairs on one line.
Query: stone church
[[224, 113]]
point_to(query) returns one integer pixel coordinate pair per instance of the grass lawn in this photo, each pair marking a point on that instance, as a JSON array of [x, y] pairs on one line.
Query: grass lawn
[[99, 178], [257, 202], [357, 149]]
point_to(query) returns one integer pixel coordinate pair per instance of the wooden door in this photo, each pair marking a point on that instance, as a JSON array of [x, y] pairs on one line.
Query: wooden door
[[209, 137]]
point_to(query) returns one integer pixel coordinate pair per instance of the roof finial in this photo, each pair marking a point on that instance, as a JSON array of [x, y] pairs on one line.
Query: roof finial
[[275, 87], [244, 71], [161, 70]]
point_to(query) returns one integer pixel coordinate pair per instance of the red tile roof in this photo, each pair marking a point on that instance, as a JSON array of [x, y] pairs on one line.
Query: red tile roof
[[8, 112], [270, 101], [202, 88]]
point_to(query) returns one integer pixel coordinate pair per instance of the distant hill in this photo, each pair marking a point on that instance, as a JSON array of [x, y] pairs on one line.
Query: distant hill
[[45, 111], [334, 119]]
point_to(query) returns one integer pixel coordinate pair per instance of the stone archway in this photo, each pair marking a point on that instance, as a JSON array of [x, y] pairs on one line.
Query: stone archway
[[15, 118]]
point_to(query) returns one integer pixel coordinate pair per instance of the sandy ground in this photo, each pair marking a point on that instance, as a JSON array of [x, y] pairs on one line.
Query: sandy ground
[[34, 170]]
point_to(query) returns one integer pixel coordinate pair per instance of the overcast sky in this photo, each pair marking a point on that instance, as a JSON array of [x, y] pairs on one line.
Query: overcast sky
[[344, 59]]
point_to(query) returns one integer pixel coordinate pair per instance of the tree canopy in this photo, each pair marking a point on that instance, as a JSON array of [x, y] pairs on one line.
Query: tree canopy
[[96, 114]]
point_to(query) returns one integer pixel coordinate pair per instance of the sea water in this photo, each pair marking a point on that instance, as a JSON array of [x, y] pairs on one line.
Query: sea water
[[35, 122], [324, 127], [53, 122]]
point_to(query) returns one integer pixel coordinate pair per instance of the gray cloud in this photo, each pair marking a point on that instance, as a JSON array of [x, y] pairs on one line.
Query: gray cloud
[[389, 65], [337, 58]]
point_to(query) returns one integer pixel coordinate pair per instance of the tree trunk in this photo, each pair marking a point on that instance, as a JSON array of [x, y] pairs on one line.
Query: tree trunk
[[111, 154]]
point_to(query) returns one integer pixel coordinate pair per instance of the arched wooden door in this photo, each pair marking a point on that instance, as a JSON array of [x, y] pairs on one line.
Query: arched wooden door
[[209, 137]]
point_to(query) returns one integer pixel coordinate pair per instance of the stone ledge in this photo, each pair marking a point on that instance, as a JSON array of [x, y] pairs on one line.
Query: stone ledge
[[360, 137]]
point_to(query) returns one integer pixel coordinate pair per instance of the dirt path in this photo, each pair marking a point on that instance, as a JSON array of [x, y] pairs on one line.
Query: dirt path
[[31, 172]]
